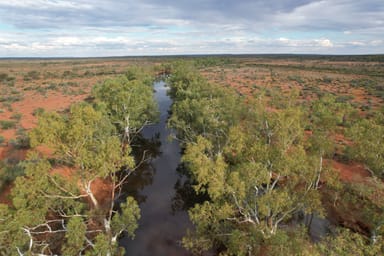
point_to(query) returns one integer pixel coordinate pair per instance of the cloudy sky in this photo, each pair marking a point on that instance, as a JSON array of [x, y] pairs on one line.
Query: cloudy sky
[[58, 28]]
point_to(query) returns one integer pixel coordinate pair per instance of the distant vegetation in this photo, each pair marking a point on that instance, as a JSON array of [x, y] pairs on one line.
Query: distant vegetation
[[262, 140]]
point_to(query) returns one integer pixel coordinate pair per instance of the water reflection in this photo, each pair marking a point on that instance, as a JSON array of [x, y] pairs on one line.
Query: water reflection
[[145, 150], [152, 184], [185, 195]]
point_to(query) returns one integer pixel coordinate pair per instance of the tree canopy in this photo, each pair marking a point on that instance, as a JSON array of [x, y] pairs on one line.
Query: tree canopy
[[62, 212]]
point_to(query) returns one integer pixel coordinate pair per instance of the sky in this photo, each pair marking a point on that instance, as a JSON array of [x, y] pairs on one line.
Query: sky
[[95, 28]]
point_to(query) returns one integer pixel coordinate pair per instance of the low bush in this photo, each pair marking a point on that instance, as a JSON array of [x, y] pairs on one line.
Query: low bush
[[10, 171], [7, 124], [38, 111], [32, 75], [16, 116]]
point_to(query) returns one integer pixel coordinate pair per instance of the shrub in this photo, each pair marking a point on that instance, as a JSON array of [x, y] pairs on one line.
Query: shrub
[[296, 78], [32, 75], [10, 172], [7, 124], [344, 98], [327, 80], [3, 76], [16, 116], [38, 111], [21, 142]]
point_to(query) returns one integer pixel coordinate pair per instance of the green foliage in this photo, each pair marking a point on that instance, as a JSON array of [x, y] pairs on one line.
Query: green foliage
[[85, 139], [345, 243], [126, 219], [344, 98], [262, 177], [200, 108], [68, 218], [21, 141], [9, 171], [203, 62], [326, 115], [249, 161], [16, 116], [368, 137], [76, 231], [7, 79], [291, 242], [296, 78], [128, 100], [371, 85], [7, 124], [101, 247], [32, 75], [38, 111]]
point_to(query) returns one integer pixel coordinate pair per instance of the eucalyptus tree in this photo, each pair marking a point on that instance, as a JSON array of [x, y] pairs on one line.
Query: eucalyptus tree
[[128, 101], [262, 177], [345, 242], [57, 207], [256, 171], [64, 206], [368, 147], [200, 108]]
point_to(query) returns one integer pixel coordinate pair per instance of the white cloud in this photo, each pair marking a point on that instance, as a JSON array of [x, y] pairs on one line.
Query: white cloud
[[324, 42], [99, 27], [45, 4], [357, 43]]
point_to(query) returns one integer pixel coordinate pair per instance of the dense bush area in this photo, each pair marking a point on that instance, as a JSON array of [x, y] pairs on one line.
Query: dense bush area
[[258, 168]]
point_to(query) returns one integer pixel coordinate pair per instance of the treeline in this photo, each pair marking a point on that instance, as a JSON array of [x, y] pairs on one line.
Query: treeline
[[262, 163], [65, 202]]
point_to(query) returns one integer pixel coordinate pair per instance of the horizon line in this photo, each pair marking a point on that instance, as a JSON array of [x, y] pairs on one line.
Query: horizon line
[[197, 55]]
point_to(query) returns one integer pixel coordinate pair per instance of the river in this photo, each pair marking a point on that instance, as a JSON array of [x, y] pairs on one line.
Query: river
[[164, 193], [154, 185]]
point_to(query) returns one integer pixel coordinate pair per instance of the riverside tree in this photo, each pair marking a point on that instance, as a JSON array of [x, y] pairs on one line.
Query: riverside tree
[[260, 180], [62, 212], [128, 102], [256, 172]]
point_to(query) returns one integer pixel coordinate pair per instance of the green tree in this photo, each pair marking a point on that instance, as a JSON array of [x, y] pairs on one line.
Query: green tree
[[128, 101], [256, 183], [66, 208], [368, 147], [346, 242], [201, 108]]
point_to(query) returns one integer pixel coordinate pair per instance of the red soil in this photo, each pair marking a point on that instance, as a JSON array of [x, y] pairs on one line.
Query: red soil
[[352, 172], [50, 103], [102, 189]]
